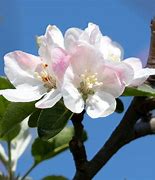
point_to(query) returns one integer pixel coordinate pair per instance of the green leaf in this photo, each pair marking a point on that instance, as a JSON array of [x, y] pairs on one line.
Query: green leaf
[[54, 178], [52, 121], [14, 114], [33, 119], [119, 106], [12, 133], [3, 105], [5, 83], [42, 150], [143, 90]]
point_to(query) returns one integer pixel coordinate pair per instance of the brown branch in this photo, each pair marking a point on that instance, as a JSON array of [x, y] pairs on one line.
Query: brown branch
[[77, 147], [151, 58], [130, 128], [122, 135]]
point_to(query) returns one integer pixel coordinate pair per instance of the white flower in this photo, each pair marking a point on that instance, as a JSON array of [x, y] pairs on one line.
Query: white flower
[[89, 83], [93, 36], [35, 77], [111, 51]]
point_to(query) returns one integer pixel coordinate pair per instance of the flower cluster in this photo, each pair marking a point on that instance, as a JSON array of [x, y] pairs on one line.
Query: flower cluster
[[83, 67]]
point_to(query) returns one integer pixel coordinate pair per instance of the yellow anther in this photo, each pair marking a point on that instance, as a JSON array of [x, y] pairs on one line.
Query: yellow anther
[[49, 82], [114, 57], [88, 83], [45, 65]]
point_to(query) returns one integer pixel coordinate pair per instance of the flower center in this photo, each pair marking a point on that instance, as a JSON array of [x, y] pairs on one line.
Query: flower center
[[43, 75], [88, 84], [113, 57]]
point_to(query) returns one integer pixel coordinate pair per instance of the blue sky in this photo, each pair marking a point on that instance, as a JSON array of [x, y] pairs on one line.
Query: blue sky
[[125, 21]]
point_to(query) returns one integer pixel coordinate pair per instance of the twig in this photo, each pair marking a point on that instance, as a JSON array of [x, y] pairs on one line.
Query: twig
[[29, 170], [10, 161]]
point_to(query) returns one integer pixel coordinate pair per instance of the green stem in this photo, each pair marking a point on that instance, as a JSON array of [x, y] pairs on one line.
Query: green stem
[[10, 161], [31, 168]]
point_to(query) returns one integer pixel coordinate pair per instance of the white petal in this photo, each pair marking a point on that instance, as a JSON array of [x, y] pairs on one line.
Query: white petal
[[91, 27], [54, 36], [94, 33], [71, 39], [23, 95], [135, 63], [100, 104], [110, 50], [49, 100], [141, 76], [20, 68], [72, 98]]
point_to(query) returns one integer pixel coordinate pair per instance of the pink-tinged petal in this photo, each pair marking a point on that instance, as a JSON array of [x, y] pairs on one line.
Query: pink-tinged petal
[[20, 67], [111, 82], [22, 94], [24, 60], [85, 58], [72, 98], [49, 100], [60, 62], [53, 38], [71, 39], [124, 71], [141, 76], [101, 104], [135, 63]]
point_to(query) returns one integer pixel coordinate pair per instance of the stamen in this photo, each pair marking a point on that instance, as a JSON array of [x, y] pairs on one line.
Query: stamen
[[88, 83], [49, 82], [114, 57]]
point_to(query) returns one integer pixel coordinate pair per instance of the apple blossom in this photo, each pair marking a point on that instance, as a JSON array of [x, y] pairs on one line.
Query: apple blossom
[[89, 83], [37, 76], [111, 51], [84, 67]]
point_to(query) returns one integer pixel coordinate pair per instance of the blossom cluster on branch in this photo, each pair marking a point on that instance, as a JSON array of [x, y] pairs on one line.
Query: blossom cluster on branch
[[83, 67]]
